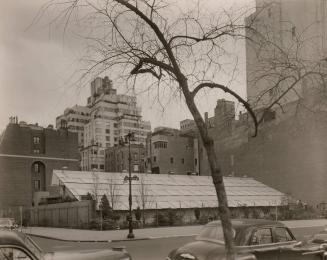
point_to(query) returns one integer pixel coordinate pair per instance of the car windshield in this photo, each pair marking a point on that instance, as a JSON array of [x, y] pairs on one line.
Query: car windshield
[[31, 245], [213, 232]]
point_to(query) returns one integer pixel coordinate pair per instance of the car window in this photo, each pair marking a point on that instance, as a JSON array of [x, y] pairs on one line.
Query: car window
[[212, 232], [282, 235], [9, 253], [261, 236]]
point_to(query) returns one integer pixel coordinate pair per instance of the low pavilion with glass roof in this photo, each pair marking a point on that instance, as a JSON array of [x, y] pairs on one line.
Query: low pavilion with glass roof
[[163, 191]]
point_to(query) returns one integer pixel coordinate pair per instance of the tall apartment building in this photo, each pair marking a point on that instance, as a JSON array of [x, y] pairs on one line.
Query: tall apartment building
[[28, 155], [74, 119], [112, 116], [299, 28]]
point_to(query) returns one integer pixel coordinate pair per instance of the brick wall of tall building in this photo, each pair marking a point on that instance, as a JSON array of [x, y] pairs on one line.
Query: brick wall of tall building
[[290, 157], [289, 154], [116, 158], [56, 149], [171, 152]]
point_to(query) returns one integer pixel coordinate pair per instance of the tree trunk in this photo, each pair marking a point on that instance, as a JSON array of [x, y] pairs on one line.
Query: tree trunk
[[224, 213], [217, 176]]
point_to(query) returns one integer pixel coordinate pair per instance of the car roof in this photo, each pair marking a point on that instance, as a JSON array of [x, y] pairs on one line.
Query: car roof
[[244, 223], [10, 238]]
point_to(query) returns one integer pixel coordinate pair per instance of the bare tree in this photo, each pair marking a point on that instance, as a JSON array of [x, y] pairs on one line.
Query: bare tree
[[95, 188], [113, 193], [181, 52], [143, 196]]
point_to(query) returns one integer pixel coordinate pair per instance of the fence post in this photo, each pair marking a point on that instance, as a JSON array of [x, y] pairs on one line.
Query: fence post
[[157, 222], [67, 217], [88, 214], [77, 224]]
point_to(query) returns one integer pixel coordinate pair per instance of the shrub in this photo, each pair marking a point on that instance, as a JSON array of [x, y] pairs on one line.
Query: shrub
[[163, 219], [115, 216], [203, 220], [197, 213], [109, 224], [171, 217], [94, 224]]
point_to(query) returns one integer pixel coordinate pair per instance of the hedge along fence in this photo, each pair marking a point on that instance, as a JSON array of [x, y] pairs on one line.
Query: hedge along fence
[[77, 214], [186, 216], [80, 214]]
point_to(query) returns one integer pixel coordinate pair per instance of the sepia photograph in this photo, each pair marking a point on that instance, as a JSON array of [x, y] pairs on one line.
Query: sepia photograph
[[163, 129]]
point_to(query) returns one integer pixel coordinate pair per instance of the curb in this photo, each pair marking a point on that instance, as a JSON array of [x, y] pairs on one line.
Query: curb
[[107, 241]]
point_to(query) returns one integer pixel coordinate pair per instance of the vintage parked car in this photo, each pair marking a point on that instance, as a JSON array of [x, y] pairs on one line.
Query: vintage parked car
[[8, 223], [254, 239], [15, 245]]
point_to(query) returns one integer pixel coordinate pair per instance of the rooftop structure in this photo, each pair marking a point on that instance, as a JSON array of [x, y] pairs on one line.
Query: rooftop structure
[[74, 119]]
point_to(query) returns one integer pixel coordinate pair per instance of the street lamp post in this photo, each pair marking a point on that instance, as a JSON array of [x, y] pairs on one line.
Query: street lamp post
[[129, 136]]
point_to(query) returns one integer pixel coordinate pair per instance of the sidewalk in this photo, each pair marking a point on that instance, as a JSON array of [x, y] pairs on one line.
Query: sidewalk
[[82, 235]]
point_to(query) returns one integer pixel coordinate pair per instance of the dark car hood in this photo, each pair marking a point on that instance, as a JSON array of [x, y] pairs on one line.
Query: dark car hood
[[107, 254], [202, 249]]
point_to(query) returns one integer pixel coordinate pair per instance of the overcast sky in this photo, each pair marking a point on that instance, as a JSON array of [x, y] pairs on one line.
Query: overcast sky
[[37, 64]]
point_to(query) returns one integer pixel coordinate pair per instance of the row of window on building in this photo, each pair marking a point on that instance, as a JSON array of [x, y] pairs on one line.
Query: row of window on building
[[79, 120], [172, 160]]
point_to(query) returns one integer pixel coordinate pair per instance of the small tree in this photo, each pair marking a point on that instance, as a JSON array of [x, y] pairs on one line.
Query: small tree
[[138, 214], [105, 207], [95, 188], [197, 213], [113, 193], [144, 198]]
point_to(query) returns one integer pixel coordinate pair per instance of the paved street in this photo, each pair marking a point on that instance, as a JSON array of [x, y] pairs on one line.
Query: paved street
[[145, 233], [154, 249], [158, 248]]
